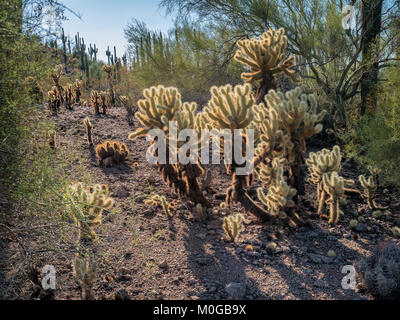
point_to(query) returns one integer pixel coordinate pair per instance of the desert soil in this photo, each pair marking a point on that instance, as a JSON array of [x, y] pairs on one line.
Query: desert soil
[[144, 255]]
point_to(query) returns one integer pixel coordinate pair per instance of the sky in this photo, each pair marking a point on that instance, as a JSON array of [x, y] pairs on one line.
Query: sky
[[103, 21]]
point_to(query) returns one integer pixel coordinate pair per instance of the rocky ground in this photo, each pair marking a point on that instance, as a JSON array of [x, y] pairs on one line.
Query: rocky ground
[[144, 255]]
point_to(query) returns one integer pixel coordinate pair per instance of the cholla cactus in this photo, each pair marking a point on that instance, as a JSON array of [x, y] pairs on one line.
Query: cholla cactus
[[319, 163], [104, 101], [52, 139], [56, 76], [157, 109], [230, 108], [266, 57], [298, 117], [85, 272], [54, 101], [95, 101], [108, 69], [369, 187], [279, 199], [161, 108], [380, 273], [155, 200], [78, 85], [87, 204], [68, 96], [333, 185], [271, 174], [130, 109], [111, 152], [233, 226], [89, 131], [273, 141]]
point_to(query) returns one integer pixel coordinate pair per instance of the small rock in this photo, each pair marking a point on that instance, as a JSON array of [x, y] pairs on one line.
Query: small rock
[[236, 290], [201, 236], [361, 227], [321, 284], [121, 294]]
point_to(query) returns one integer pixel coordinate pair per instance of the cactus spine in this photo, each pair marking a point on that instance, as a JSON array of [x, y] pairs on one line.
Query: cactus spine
[[161, 108], [87, 204], [265, 56], [85, 272], [111, 152], [298, 117], [233, 226], [89, 131], [334, 187], [369, 187]]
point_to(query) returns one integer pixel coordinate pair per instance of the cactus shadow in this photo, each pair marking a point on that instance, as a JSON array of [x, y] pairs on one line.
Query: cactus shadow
[[214, 263], [307, 280]]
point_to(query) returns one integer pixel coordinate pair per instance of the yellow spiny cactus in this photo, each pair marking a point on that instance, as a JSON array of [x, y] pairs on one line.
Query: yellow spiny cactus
[[265, 55], [156, 200], [369, 187], [89, 131], [52, 138], [279, 197], [87, 204], [232, 226], [230, 108], [319, 163], [68, 96], [334, 186], [297, 113], [85, 272], [298, 117], [54, 102], [95, 101], [111, 152], [78, 85], [271, 137], [130, 109], [104, 101], [271, 174], [157, 109], [56, 74]]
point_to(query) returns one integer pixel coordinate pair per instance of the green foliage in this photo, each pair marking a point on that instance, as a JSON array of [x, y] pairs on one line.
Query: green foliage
[[189, 57], [374, 140]]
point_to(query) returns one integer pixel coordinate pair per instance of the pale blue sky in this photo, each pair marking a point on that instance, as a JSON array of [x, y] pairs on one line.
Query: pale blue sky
[[104, 21]]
